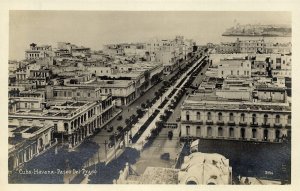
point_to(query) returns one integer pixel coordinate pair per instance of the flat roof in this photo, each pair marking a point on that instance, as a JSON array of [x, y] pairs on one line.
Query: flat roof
[[210, 101]]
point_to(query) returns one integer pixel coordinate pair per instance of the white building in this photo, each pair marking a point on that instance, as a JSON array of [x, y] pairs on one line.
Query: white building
[[234, 67]]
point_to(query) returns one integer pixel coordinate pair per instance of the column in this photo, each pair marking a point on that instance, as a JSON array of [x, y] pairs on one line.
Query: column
[[271, 134]]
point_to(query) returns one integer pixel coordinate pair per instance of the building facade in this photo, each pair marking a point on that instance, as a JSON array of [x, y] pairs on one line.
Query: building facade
[[235, 120]]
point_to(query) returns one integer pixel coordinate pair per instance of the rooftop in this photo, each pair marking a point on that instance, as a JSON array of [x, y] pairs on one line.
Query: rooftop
[[210, 101]]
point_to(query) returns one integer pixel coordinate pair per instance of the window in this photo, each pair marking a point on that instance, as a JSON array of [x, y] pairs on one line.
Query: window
[[242, 133], [209, 131], [254, 118], [187, 130], [198, 116], [208, 116], [266, 133], [277, 119], [238, 72], [289, 119], [231, 117], [220, 117], [241, 64], [187, 115], [242, 117], [220, 132], [254, 133], [265, 119], [231, 72], [231, 132]]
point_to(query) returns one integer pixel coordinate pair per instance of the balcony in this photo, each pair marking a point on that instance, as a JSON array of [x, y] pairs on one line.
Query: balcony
[[209, 122], [277, 125], [243, 123], [196, 122], [220, 122], [288, 126], [265, 125], [254, 124], [231, 123]]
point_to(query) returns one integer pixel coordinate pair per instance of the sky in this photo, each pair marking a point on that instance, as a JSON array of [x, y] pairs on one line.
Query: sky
[[95, 28]]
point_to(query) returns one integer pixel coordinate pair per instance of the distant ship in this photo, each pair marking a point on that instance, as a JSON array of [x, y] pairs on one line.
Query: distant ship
[[259, 31]]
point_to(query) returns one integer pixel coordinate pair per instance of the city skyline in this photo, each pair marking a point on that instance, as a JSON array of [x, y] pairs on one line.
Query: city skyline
[[50, 27]]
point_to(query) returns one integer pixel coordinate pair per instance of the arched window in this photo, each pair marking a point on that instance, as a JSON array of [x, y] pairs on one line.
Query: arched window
[[209, 131], [254, 133], [277, 134], [208, 116], [187, 130], [242, 117], [277, 119], [220, 132], [231, 132], [266, 134], [220, 117], [187, 115], [198, 131], [231, 117], [242, 133], [254, 118], [265, 119], [198, 116], [289, 120]]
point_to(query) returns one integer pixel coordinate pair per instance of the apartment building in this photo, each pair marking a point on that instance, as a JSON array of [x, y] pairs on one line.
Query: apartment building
[[234, 67], [73, 120], [38, 52], [217, 118], [26, 142]]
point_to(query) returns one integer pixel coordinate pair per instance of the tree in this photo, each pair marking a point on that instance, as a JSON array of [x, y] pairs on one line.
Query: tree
[[139, 113], [127, 121], [119, 128]]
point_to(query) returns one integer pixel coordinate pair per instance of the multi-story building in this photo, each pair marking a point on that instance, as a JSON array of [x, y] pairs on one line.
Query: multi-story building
[[72, 120], [234, 67], [217, 118], [26, 142], [38, 52], [252, 46], [40, 77]]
